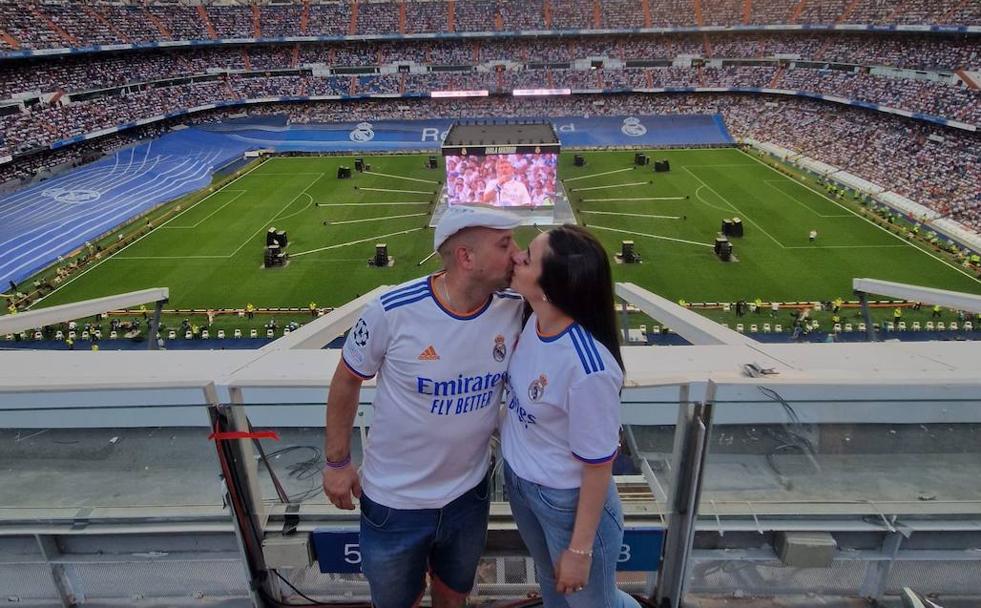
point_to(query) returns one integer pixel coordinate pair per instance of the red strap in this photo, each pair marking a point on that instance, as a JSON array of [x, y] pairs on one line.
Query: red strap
[[243, 435]]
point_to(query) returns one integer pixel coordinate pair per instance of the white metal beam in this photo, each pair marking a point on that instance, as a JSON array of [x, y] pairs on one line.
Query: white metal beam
[[689, 325], [927, 295], [22, 321], [319, 332]]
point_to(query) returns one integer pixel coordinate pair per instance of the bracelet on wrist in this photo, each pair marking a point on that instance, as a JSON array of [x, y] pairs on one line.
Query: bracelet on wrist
[[338, 464], [588, 554]]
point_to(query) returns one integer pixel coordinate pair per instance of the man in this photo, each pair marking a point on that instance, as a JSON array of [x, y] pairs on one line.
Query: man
[[505, 190], [440, 346]]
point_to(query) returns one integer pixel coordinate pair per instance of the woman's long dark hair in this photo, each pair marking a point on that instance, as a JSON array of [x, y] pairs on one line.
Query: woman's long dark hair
[[576, 278]]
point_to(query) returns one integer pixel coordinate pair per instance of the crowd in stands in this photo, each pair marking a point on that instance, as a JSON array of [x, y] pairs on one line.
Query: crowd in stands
[[79, 73], [935, 166], [57, 25]]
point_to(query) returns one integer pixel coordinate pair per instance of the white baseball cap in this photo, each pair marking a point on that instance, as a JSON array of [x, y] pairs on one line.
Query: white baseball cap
[[458, 217]]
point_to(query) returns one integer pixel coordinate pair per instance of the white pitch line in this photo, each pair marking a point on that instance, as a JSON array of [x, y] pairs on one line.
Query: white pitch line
[[649, 198], [373, 204], [411, 179], [572, 179], [808, 186], [736, 209], [610, 186], [816, 247], [371, 238], [198, 223], [401, 191], [658, 217], [377, 219], [651, 236]]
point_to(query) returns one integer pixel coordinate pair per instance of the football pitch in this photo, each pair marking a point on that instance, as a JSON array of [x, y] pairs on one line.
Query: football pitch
[[210, 253]]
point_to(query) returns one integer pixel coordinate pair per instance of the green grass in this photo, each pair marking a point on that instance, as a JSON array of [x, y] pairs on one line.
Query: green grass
[[210, 254]]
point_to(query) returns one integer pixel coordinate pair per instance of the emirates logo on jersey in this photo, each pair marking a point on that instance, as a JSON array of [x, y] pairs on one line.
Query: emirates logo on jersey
[[429, 354], [500, 350], [536, 390]]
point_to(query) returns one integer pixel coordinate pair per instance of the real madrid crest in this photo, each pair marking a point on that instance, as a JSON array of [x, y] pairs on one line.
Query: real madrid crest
[[536, 390], [500, 350]]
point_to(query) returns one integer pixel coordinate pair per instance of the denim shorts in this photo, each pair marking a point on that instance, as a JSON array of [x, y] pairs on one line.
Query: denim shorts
[[545, 518], [397, 545]]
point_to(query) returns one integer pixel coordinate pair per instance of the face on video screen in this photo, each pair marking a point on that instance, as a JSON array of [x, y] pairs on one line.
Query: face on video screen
[[503, 180]]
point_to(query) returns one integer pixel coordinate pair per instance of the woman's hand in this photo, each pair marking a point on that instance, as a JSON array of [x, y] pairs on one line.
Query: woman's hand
[[572, 572]]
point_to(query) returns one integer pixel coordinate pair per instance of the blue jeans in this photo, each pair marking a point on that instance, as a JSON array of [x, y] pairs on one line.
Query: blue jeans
[[397, 545], [545, 518]]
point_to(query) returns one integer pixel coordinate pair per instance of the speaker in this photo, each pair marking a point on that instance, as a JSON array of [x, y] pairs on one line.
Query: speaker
[[737, 227], [641, 159], [431, 163], [727, 227], [359, 165], [723, 248], [628, 255], [381, 255], [343, 172], [579, 161], [662, 166]]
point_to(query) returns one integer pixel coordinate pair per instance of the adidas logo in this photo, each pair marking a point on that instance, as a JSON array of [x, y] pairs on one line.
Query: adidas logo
[[429, 354]]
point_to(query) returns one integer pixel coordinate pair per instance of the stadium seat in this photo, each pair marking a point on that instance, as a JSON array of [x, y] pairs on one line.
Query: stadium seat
[[59, 335], [916, 326], [890, 326], [778, 329], [270, 333], [97, 334], [862, 328], [113, 335], [929, 325], [754, 329], [837, 328], [901, 326], [23, 335], [86, 335], [968, 326], [38, 335], [72, 334], [726, 307], [172, 335], [188, 335], [238, 333], [941, 326], [767, 328], [726, 325], [952, 326], [221, 334], [205, 334], [254, 333], [286, 331], [739, 327], [656, 329]]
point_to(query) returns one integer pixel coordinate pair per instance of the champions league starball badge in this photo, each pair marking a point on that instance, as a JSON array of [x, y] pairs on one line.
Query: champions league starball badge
[[536, 390], [500, 350], [361, 333]]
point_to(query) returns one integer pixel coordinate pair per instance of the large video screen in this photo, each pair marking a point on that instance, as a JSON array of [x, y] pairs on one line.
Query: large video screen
[[502, 180]]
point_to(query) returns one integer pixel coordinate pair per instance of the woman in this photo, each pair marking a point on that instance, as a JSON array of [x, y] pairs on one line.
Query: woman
[[561, 431]]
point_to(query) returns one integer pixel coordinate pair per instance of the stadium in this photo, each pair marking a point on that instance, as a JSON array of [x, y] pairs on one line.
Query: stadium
[[197, 198]]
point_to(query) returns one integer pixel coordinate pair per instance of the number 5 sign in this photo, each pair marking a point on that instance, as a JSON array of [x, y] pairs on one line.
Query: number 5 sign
[[339, 550]]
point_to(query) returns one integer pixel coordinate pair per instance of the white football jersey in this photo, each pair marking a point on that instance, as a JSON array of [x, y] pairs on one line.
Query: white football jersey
[[440, 380], [563, 406]]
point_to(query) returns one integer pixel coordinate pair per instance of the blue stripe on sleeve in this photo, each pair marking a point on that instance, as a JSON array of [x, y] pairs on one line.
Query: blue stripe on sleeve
[[405, 291], [597, 460], [579, 351], [351, 369], [588, 338], [409, 299], [584, 340]]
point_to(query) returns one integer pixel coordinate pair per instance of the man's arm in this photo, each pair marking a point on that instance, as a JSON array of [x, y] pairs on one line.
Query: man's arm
[[342, 406]]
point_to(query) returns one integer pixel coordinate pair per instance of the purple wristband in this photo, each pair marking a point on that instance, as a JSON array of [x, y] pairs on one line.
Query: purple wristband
[[340, 464]]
